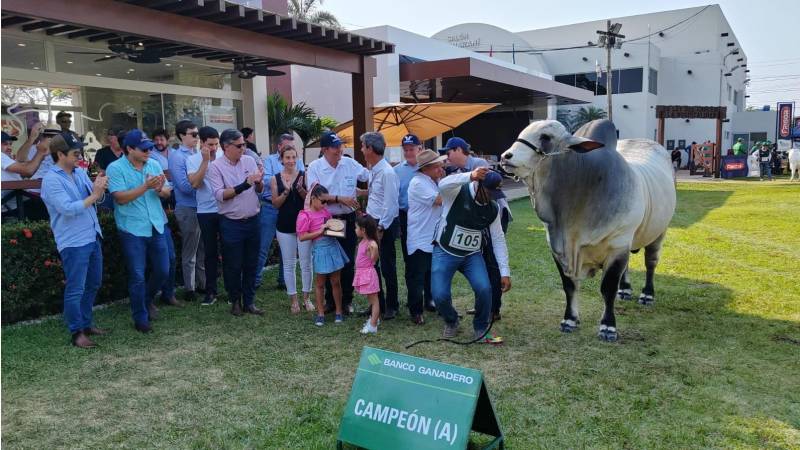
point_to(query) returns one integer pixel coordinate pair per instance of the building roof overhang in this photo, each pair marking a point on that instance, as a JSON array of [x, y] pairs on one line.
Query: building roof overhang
[[482, 74]]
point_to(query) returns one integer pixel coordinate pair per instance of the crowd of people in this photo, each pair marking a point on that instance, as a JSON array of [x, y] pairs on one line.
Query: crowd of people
[[337, 219]]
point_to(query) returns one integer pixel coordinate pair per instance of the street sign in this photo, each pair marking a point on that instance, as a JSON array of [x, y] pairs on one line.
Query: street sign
[[401, 402]]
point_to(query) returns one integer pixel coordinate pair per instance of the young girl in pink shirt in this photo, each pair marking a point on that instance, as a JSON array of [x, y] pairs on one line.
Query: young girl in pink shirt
[[328, 256]]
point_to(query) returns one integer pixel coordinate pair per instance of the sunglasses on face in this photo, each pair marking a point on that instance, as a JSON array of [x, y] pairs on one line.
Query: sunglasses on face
[[242, 145], [324, 202], [194, 134]]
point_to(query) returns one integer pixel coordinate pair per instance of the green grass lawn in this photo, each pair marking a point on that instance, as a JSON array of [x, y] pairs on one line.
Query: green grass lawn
[[715, 364]]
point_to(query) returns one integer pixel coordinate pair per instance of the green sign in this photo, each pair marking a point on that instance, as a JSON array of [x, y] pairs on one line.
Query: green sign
[[401, 402]]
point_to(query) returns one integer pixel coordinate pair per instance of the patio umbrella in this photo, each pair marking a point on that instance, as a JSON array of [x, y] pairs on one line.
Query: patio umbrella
[[426, 120]]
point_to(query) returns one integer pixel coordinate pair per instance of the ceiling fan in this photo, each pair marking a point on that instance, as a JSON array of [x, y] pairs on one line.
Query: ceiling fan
[[247, 71], [133, 52]]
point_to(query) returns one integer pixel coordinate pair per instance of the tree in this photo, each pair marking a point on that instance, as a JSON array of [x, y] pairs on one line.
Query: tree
[[299, 118], [586, 115], [308, 11], [566, 118]]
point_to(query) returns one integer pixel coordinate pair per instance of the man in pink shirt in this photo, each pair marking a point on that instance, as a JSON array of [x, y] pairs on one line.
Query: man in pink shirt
[[236, 182]]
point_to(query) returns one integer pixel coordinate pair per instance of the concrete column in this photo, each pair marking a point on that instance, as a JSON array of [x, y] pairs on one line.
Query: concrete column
[[254, 111], [552, 108], [362, 104]]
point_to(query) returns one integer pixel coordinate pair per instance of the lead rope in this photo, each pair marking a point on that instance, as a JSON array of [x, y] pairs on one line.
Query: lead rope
[[454, 341]]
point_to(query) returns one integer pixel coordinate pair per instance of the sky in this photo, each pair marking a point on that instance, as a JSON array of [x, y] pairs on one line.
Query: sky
[[768, 30]]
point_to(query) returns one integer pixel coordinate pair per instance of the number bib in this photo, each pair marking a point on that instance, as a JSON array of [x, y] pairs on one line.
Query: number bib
[[462, 235], [465, 239]]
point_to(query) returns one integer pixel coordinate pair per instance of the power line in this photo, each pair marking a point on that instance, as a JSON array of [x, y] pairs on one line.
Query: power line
[[671, 26]]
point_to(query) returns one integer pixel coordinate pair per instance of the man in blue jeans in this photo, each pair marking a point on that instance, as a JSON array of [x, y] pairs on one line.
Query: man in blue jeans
[[137, 182], [70, 199], [268, 214], [468, 209]]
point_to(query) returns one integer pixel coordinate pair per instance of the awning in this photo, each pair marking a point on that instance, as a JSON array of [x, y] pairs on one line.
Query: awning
[[470, 80], [425, 120]]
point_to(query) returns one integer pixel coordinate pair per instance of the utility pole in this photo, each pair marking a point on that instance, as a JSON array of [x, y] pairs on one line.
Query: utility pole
[[610, 38]]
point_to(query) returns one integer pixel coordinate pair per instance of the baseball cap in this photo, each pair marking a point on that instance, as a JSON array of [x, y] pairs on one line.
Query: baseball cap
[[492, 182], [8, 138], [71, 140], [137, 139], [410, 139], [455, 142], [330, 139]]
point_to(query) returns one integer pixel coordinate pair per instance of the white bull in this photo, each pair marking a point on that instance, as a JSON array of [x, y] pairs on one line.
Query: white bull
[[794, 163], [599, 200]]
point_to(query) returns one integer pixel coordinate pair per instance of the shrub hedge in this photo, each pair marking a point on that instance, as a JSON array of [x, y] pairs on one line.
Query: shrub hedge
[[32, 276]]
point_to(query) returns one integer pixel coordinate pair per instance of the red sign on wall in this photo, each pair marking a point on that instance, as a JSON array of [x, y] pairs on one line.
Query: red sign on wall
[[785, 120]]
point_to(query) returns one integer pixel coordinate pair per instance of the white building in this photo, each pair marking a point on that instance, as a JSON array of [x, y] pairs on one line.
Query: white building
[[679, 57]]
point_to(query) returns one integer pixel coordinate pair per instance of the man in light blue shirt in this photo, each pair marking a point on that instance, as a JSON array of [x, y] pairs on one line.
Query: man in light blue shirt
[[459, 157], [137, 182], [269, 214], [70, 196], [207, 210], [405, 172], [192, 256]]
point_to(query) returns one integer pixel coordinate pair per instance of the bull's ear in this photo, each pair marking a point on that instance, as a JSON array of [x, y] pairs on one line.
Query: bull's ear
[[582, 145], [546, 143]]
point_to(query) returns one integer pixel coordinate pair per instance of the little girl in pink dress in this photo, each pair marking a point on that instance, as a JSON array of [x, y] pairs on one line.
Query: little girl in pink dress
[[366, 280]]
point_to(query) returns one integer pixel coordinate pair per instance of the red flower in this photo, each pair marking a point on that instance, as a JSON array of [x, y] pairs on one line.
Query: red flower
[[47, 263], [27, 232], [13, 242]]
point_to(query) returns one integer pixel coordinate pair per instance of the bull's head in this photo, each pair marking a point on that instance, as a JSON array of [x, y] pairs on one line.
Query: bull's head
[[539, 140]]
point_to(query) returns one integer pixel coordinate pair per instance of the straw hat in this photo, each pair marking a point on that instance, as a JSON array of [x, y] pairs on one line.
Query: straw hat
[[428, 157]]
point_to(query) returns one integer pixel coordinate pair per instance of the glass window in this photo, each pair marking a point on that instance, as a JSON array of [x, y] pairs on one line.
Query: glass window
[[23, 53], [107, 108], [203, 111], [652, 82], [99, 61], [628, 81], [566, 79], [586, 81]]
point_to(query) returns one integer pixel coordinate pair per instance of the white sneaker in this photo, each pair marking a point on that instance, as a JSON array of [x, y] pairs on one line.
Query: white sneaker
[[369, 329]]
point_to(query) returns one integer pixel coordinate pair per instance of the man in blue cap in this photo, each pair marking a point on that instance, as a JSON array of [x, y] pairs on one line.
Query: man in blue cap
[[340, 176], [459, 157], [137, 184], [70, 199], [467, 210]]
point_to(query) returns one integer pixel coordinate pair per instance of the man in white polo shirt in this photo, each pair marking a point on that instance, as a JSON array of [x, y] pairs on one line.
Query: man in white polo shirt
[[424, 211], [339, 175]]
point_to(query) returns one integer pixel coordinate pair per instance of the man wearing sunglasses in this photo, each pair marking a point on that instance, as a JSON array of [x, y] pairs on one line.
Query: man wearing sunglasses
[[137, 184], [192, 255], [236, 182]]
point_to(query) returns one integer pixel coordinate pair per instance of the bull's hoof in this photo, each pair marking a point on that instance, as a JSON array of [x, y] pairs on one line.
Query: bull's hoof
[[625, 295], [646, 300], [607, 334], [568, 326]]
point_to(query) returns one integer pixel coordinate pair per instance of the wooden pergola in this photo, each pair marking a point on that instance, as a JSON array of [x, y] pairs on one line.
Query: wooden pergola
[[212, 30], [694, 112]]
